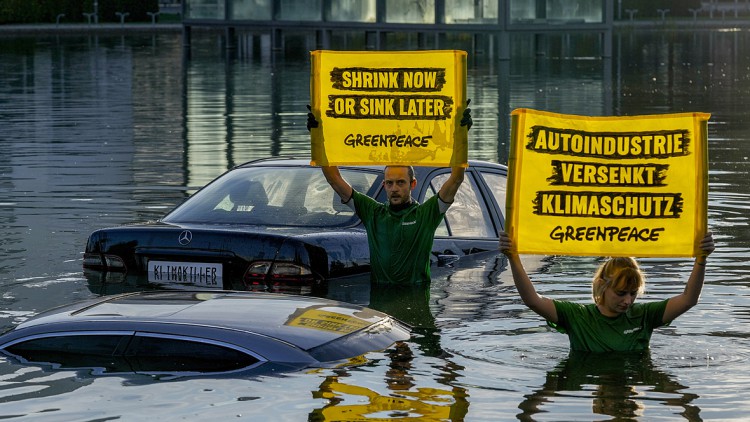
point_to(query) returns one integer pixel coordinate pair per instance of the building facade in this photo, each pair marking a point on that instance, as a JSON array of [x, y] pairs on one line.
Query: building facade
[[491, 21]]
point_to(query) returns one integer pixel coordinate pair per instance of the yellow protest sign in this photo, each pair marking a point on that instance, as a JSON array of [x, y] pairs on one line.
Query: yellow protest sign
[[607, 186], [389, 107]]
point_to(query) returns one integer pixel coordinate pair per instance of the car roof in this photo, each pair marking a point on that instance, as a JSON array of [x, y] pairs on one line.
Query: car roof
[[296, 161], [303, 321]]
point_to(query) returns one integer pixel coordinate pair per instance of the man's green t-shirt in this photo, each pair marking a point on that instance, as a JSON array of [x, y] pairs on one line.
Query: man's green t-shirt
[[400, 241], [589, 330]]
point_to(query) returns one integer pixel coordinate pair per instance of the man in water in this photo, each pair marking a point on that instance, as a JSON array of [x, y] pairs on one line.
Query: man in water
[[400, 232]]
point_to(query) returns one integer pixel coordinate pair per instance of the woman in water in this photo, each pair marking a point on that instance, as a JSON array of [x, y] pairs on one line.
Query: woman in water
[[614, 322]]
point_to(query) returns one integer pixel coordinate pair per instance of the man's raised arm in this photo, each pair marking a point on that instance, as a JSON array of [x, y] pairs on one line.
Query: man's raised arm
[[339, 185], [450, 187]]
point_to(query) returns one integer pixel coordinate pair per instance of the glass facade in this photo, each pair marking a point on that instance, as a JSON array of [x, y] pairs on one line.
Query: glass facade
[[412, 11], [422, 12], [204, 9], [471, 11], [556, 11], [296, 10], [588, 11], [251, 9], [352, 11]]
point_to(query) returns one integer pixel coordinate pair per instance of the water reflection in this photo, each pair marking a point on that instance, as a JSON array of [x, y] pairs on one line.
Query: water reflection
[[410, 304], [405, 395], [23, 383], [620, 385], [105, 130]]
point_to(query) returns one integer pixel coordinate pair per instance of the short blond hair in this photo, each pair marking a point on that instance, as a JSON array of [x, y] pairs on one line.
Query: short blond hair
[[619, 273], [409, 170]]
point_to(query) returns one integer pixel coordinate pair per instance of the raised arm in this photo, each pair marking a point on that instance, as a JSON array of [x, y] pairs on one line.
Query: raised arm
[[341, 186], [331, 173], [679, 304], [448, 191], [537, 303]]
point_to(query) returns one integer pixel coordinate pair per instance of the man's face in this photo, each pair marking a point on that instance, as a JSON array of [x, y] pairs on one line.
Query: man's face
[[398, 186]]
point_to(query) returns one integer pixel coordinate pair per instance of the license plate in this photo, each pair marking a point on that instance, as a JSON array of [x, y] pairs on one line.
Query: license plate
[[197, 273]]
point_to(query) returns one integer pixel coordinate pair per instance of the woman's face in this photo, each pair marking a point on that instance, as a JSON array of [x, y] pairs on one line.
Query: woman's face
[[615, 302]]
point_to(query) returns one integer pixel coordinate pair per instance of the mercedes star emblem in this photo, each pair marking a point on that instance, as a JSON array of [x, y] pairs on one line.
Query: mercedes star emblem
[[185, 237]]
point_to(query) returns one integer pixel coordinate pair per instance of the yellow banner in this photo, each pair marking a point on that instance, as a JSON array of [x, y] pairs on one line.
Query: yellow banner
[[607, 186], [389, 107]]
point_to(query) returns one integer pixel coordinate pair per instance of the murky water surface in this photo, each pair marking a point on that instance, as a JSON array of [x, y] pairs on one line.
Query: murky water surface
[[104, 130]]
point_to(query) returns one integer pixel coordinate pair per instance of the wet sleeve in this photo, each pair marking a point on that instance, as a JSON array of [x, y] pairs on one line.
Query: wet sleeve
[[563, 315]]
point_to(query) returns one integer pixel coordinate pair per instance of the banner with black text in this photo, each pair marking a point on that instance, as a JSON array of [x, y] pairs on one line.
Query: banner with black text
[[607, 186], [389, 107]]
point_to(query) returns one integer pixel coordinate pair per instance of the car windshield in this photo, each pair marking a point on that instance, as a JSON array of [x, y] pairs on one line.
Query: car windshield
[[273, 196]]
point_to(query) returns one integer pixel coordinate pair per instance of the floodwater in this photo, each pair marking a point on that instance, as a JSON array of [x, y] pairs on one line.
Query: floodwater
[[102, 130]]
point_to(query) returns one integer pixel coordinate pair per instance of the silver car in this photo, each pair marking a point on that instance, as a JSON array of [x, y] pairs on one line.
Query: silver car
[[198, 332]]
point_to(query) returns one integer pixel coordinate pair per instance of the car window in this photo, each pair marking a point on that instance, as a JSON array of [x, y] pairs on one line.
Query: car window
[[281, 196], [467, 216], [76, 351], [78, 343], [498, 185], [321, 198], [118, 353], [158, 353]]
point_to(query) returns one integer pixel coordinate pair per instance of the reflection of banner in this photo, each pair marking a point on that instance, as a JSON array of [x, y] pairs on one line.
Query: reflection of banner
[[390, 107], [354, 403], [614, 186]]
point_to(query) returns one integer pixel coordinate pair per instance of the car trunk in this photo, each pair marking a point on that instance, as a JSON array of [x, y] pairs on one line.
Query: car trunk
[[191, 254]]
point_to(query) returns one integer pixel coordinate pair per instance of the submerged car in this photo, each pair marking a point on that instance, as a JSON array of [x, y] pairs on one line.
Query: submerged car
[[277, 222], [183, 332]]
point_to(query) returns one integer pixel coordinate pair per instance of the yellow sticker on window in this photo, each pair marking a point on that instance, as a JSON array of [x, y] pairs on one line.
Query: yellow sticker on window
[[319, 319]]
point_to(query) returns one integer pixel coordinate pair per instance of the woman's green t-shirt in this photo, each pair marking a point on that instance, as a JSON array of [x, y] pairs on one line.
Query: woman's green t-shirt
[[589, 330]]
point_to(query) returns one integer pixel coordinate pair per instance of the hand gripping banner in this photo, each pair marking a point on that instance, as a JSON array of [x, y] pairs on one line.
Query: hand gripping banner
[[389, 107], [607, 186]]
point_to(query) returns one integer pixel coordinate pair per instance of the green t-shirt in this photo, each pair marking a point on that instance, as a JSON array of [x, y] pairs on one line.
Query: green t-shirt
[[400, 241], [589, 330]]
